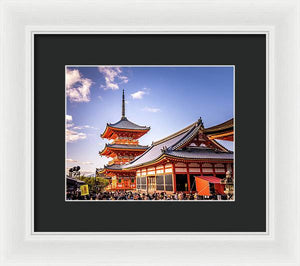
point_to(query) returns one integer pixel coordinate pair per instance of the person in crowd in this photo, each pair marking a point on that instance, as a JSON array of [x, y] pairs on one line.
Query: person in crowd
[[75, 194]]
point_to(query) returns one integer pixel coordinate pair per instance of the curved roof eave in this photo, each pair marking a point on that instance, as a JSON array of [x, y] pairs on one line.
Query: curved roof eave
[[100, 152], [124, 123], [159, 158], [105, 130], [225, 126], [140, 129], [126, 146]]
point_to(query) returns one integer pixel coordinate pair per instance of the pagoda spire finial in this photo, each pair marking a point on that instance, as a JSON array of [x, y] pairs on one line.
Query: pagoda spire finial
[[123, 105]]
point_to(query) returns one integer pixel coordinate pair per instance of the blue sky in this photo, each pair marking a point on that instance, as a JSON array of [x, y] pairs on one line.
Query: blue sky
[[165, 98]]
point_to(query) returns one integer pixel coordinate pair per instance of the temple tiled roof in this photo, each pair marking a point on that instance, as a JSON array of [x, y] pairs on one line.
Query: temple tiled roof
[[172, 146], [113, 167], [189, 135], [155, 151], [124, 123], [127, 146], [201, 153]]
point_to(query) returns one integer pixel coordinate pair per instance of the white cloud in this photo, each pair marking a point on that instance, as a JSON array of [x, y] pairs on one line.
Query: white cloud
[[72, 77], [87, 163], [113, 77], [85, 126], [71, 161], [138, 94], [77, 87], [69, 118], [124, 79], [73, 136], [152, 110], [69, 125]]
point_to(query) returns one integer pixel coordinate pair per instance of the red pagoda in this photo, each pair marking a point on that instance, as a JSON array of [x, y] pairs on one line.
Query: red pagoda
[[123, 148]]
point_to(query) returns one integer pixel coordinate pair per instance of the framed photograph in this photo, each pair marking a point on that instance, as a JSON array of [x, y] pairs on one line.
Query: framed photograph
[[194, 163], [185, 155], [154, 140]]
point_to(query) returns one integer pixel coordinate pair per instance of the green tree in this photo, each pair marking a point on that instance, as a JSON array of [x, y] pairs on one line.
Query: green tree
[[101, 183], [95, 184]]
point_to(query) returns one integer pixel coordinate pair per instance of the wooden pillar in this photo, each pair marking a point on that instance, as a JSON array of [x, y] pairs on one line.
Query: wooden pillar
[[174, 177], [214, 170], [146, 180], [164, 175], [201, 173], [155, 177], [188, 177]]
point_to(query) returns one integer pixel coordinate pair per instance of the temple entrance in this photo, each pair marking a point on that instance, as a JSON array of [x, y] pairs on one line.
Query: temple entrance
[[151, 184], [181, 183], [193, 183]]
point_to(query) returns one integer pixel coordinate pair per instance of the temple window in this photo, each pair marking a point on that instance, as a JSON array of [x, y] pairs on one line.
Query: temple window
[[169, 182], [159, 182]]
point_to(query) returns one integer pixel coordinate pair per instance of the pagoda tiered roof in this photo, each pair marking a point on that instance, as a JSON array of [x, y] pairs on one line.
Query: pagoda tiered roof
[[126, 146], [124, 125], [111, 170], [113, 167], [122, 147]]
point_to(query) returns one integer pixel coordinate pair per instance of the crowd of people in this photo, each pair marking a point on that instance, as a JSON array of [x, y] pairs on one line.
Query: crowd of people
[[133, 195]]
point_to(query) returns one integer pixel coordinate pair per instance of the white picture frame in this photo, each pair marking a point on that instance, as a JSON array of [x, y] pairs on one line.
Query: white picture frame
[[278, 19]]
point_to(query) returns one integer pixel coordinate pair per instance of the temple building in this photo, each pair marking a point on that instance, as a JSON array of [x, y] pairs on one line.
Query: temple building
[[190, 160], [123, 148]]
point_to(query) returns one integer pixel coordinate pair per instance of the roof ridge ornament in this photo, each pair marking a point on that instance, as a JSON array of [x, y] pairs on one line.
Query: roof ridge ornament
[[200, 123], [164, 149]]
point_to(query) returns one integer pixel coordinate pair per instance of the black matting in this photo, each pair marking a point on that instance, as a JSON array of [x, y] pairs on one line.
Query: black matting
[[246, 52]]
